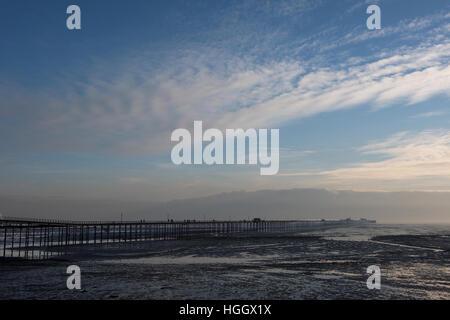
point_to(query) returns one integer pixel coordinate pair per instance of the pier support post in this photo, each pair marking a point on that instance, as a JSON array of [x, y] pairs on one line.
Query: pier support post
[[4, 242]]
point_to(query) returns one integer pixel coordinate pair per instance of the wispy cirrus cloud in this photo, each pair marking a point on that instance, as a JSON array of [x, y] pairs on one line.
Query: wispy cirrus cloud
[[420, 160], [410, 76], [136, 109], [138, 115], [429, 114]]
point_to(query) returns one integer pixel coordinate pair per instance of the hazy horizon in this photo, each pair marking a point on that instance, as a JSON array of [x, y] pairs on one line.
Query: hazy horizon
[[385, 207]]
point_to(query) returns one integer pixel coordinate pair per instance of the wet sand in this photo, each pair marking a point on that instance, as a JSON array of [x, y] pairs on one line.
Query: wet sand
[[325, 264]]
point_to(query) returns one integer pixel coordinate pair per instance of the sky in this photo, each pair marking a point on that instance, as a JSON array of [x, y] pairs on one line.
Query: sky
[[88, 113]]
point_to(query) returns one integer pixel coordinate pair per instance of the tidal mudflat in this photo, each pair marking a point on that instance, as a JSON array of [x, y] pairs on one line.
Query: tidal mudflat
[[321, 264]]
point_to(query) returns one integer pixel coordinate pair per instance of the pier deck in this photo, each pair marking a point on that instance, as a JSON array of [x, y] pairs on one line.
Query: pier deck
[[43, 238]]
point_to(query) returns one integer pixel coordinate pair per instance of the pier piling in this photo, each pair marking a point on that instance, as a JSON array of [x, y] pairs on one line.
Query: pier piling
[[40, 238]]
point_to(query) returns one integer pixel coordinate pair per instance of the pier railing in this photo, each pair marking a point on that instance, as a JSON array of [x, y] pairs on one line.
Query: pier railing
[[42, 238]]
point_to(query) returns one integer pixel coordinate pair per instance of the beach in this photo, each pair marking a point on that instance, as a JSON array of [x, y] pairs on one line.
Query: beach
[[317, 264]]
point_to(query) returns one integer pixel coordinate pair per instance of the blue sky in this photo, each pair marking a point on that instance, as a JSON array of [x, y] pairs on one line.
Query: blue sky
[[89, 113]]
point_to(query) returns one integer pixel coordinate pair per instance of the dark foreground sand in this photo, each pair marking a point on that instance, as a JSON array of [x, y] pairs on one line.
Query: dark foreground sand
[[326, 264]]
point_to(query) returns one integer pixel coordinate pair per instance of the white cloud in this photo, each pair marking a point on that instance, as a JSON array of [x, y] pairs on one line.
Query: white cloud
[[419, 161], [429, 114], [411, 77], [136, 110]]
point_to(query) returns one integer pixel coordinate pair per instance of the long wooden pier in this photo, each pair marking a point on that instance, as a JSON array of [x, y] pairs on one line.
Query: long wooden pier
[[43, 238]]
